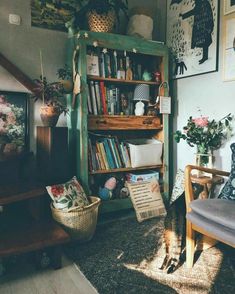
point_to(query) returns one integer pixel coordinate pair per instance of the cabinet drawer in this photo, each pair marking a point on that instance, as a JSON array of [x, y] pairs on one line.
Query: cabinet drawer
[[121, 122]]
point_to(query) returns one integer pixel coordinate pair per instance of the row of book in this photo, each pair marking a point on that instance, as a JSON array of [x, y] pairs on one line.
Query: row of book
[[109, 99], [109, 63], [108, 153]]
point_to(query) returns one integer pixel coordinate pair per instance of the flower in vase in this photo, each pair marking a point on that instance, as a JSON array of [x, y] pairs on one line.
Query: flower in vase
[[207, 135]]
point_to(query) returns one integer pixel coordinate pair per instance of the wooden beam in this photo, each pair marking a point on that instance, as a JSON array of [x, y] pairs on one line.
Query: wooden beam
[[17, 73]]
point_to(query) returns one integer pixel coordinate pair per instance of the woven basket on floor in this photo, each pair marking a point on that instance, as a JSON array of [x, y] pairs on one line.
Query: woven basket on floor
[[79, 223], [101, 22]]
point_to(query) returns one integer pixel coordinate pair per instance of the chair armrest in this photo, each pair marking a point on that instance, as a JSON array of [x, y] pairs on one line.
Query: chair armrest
[[189, 195]]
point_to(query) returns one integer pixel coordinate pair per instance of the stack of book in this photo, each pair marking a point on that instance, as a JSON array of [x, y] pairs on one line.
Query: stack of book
[[104, 99], [107, 63], [108, 153]]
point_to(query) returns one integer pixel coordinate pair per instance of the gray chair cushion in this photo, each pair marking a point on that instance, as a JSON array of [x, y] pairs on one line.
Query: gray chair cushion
[[220, 232], [220, 211]]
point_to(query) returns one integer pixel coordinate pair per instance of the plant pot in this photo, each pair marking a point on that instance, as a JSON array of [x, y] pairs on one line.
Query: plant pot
[[67, 86], [49, 115], [101, 22]]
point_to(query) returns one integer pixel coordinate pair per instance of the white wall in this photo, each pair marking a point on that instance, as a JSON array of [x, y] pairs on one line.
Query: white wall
[[214, 97]]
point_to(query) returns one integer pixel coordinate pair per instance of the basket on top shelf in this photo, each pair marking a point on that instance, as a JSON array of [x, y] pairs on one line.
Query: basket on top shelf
[[81, 222]]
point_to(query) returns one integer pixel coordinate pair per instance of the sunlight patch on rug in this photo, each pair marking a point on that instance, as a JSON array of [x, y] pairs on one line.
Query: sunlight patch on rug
[[200, 278]]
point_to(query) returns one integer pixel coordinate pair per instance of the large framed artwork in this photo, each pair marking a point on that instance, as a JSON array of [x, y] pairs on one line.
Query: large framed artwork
[[229, 6], [52, 14], [192, 36], [13, 124], [229, 49]]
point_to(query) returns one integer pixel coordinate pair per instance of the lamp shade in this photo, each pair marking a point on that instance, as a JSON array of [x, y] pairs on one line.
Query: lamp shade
[[141, 92]]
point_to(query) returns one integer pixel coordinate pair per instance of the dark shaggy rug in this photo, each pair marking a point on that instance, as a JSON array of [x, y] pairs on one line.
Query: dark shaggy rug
[[124, 257]]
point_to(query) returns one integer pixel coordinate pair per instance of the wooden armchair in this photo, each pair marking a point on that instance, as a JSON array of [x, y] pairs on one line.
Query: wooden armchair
[[214, 218]]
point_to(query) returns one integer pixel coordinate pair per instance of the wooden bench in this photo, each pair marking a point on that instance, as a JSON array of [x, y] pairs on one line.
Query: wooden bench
[[36, 233]]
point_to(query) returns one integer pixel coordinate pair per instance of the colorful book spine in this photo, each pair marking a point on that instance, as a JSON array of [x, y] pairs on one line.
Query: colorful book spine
[[93, 98], [98, 98], [103, 97], [108, 154]]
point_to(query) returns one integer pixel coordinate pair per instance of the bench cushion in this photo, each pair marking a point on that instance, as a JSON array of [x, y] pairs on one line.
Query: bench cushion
[[220, 211]]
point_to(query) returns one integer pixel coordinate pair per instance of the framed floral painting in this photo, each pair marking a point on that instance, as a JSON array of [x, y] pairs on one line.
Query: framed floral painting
[[192, 36], [13, 124]]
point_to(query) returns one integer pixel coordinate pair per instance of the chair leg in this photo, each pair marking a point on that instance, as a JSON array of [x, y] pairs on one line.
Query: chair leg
[[190, 244]]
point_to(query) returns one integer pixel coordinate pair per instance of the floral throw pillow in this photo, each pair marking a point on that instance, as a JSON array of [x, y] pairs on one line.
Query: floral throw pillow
[[68, 196]]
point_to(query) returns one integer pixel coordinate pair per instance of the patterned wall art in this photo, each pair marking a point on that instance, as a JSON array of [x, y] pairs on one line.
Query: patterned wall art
[[192, 36], [229, 6], [52, 14], [229, 49], [13, 124]]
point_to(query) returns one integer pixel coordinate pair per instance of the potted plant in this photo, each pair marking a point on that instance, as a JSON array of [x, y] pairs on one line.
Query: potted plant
[[101, 15], [53, 104], [64, 74]]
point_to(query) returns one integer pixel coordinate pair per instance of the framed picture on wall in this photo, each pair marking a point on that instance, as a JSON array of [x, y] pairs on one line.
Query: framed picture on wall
[[229, 49], [13, 124], [192, 36], [229, 6], [51, 14]]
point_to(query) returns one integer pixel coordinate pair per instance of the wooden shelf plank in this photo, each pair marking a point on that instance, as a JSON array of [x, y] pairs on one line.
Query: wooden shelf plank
[[126, 169], [32, 237], [124, 122], [119, 81], [20, 191]]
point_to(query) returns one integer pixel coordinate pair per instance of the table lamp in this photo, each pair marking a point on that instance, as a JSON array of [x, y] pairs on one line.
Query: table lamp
[[141, 93]]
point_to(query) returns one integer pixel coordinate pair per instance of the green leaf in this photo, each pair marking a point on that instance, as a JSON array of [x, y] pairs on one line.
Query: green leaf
[[63, 201]]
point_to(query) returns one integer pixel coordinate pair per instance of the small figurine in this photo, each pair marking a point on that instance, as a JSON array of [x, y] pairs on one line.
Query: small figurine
[[124, 104], [146, 76], [106, 193], [139, 108]]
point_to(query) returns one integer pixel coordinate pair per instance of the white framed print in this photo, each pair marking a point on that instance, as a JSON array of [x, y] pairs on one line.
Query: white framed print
[[229, 6], [229, 49], [192, 36]]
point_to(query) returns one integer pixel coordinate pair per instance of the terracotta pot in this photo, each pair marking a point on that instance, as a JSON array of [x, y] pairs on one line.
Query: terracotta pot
[[49, 115]]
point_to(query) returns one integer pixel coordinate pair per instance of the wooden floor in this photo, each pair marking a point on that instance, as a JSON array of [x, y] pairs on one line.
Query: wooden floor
[[25, 279]]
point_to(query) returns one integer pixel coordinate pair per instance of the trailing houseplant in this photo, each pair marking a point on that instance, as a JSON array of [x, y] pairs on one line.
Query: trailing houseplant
[[64, 74], [100, 14]]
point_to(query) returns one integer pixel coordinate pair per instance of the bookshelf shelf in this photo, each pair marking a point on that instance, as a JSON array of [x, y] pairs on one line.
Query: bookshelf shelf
[[124, 122], [116, 170], [121, 81]]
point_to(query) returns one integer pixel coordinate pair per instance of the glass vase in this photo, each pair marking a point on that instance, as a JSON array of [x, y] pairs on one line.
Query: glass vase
[[204, 158]]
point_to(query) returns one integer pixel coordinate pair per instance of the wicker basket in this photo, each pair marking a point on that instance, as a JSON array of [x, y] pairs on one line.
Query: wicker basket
[[101, 22], [79, 223]]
